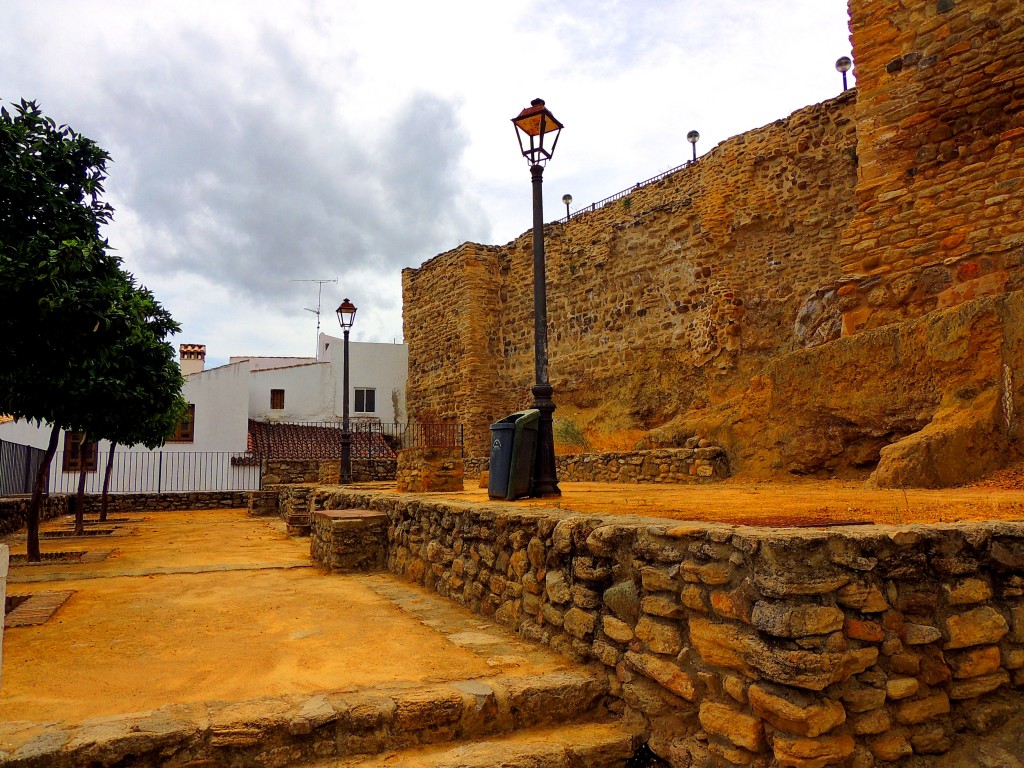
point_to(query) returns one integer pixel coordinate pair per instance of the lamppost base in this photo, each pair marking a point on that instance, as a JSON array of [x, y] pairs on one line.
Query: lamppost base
[[545, 472]]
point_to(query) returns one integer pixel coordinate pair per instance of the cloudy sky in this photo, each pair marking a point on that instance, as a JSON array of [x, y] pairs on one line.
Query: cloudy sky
[[256, 143]]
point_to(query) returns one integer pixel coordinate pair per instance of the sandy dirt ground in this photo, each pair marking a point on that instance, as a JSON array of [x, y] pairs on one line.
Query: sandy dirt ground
[[792, 503], [248, 617]]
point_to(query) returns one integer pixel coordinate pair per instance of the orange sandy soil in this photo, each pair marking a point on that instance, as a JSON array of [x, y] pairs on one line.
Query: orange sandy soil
[[218, 606], [788, 503]]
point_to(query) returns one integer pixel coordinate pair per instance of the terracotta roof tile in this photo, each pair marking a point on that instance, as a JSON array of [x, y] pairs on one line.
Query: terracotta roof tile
[[309, 441]]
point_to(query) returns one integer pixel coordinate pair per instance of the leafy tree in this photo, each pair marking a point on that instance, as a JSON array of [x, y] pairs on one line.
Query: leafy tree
[[85, 347]]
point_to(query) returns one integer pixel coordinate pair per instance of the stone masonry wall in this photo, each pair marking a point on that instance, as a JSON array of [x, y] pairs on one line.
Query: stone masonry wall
[[854, 647], [653, 299], [664, 465], [430, 469], [14, 511], [887, 203], [940, 143]]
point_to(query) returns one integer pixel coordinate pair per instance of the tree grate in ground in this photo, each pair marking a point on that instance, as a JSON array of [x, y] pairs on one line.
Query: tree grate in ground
[[72, 534], [49, 558]]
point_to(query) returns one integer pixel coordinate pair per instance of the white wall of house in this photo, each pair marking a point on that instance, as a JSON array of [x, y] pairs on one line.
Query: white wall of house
[[220, 396], [308, 393], [380, 367], [259, 363]]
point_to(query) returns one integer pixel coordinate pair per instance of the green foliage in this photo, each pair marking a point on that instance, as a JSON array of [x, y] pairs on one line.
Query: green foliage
[[569, 434], [85, 348]]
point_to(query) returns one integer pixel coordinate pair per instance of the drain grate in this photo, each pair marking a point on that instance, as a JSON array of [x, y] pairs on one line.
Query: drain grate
[[49, 558], [72, 534], [32, 610]]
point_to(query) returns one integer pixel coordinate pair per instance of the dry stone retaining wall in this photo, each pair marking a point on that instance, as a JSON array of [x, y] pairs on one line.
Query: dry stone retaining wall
[[664, 465], [14, 511], [748, 646]]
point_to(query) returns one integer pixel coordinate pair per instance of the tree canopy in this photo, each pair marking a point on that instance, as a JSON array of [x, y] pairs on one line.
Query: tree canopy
[[85, 347]]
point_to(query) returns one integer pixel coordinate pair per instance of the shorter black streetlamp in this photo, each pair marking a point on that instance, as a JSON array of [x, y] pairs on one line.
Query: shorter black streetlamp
[[346, 316], [843, 65], [567, 199], [693, 137]]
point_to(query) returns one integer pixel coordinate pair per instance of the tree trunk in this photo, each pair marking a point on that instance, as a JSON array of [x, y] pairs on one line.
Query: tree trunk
[[34, 555], [80, 497], [106, 482]]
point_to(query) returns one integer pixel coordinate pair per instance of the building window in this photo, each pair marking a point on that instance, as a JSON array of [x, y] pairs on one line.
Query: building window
[[78, 454], [186, 429], [366, 400], [277, 399]]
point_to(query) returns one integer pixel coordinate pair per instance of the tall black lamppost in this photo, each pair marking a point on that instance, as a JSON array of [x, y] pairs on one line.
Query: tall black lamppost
[[693, 137], [844, 65], [567, 199], [346, 316], [533, 125]]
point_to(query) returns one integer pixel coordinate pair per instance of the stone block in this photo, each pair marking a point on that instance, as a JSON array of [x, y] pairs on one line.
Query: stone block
[[617, 630], [975, 662], [804, 752], [978, 686], [795, 712], [739, 728], [659, 635], [579, 623], [917, 711], [968, 591], [868, 631], [871, 723], [891, 746], [693, 597], [662, 605], [623, 600], [901, 687], [866, 598], [794, 619], [557, 587], [666, 673], [921, 634], [980, 626]]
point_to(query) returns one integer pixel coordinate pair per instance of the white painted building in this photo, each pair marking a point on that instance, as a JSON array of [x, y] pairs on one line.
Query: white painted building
[[209, 450]]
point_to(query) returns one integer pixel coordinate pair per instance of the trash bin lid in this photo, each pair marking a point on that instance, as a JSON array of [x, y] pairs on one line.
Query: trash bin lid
[[528, 419]]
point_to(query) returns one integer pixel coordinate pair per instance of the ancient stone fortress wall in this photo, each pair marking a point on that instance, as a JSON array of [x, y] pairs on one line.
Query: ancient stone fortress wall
[[647, 294], [887, 203], [809, 648], [940, 147]]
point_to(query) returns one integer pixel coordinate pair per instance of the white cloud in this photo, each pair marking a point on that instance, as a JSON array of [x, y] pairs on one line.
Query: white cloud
[[257, 142]]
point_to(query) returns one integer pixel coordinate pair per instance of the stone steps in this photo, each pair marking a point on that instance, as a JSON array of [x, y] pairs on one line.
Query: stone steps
[[276, 732], [606, 744]]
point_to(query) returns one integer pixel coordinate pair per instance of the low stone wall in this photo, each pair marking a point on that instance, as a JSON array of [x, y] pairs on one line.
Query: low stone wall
[[153, 502], [14, 511], [747, 646], [670, 465], [430, 469], [664, 465], [264, 503], [349, 540], [290, 471], [295, 506], [363, 471]]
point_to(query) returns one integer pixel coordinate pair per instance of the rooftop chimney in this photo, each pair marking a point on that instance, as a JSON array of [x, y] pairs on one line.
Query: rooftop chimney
[[192, 358]]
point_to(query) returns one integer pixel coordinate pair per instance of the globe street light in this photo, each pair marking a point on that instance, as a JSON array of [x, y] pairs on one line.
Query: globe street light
[[843, 64], [533, 126], [693, 137], [567, 199], [346, 316]]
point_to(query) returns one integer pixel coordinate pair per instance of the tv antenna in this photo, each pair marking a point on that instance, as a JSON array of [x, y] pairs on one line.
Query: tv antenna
[[319, 295]]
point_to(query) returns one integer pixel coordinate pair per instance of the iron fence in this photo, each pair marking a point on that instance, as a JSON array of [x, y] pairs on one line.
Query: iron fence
[[19, 465], [161, 472], [624, 193]]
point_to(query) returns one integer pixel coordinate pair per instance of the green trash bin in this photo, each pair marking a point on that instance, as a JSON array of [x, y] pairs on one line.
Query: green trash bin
[[513, 449]]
